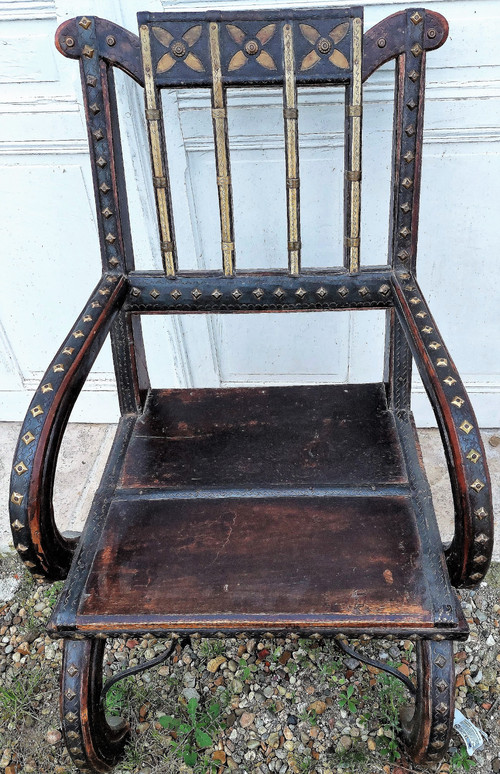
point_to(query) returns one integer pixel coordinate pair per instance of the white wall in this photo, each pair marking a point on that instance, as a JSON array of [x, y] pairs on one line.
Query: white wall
[[50, 258]]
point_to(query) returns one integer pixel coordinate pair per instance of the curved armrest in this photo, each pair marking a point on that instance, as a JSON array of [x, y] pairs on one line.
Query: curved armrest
[[469, 553], [41, 546]]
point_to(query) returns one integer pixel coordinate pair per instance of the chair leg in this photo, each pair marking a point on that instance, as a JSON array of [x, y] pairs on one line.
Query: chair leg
[[427, 726], [92, 743]]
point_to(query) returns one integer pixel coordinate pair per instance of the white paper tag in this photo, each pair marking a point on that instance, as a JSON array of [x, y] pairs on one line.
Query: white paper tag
[[473, 737]]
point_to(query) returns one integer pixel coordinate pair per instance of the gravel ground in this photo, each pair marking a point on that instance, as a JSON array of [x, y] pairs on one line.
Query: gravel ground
[[280, 705]]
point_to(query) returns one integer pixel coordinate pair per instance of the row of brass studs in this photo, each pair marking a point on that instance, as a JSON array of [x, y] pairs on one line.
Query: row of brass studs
[[279, 293], [413, 67], [481, 540], [442, 720], [101, 155], [47, 388]]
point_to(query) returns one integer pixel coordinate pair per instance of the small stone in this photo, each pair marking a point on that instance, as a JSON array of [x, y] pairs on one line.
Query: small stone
[[345, 742], [495, 765], [490, 641], [215, 663], [53, 736], [351, 663], [191, 693], [219, 755], [288, 733], [292, 720], [247, 719], [317, 706], [5, 759], [273, 740], [372, 745], [268, 691]]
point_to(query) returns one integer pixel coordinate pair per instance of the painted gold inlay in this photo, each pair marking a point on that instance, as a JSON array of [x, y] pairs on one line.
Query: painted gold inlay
[[156, 153], [355, 161], [222, 153], [292, 152]]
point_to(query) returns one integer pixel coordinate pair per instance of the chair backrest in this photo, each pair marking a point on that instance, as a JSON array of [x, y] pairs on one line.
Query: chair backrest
[[218, 50]]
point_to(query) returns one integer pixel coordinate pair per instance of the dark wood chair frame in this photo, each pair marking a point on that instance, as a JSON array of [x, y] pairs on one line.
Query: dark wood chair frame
[[123, 294]]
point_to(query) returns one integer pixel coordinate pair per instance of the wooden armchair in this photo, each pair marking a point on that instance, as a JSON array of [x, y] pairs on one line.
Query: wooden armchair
[[278, 509]]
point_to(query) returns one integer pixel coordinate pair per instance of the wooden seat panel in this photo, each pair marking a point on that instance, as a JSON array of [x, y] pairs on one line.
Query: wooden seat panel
[[329, 561], [327, 435]]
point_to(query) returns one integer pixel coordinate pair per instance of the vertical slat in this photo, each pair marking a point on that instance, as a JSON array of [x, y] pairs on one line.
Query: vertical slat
[[153, 118], [219, 117], [353, 155], [292, 152]]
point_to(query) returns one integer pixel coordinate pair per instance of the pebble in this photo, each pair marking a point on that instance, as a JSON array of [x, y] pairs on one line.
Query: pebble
[[53, 736], [214, 663], [247, 719]]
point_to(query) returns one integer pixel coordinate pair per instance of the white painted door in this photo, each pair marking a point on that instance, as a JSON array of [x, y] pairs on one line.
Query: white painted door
[[50, 257]]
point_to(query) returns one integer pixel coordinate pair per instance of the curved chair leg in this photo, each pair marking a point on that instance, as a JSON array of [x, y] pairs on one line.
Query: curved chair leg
[[92, 743], [427, 726]]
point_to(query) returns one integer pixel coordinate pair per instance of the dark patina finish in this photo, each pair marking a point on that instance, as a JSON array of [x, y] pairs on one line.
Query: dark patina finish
[[315, 496]]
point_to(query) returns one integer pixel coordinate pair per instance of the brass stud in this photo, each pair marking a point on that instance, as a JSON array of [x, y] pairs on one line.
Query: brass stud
[[258, 293], [37, 410], [408, 157], [70, 694], [466, 427], [72, 670], [47, 387], [482, 559], [410, 287], [411, 104], [364, 291], [104, 188], [431, 34], [87, 318], [70, 42], [110, 40], [279, 293], [113, 262], [450, 381], [381, 42], [84, 22], [322, 292], [135, 292], [437, 744], [415, 300], [442, 362], [236, 294], [98, 134], [442, 708], [91, 80], [473, 456], [403, 255], [405, 231], [406, 207], [110, 238], [154, 293], [384, 290], [413, 75], [20, 468], [477, 576], [416, 17], [407, 182], [17, 525], [216, 294], [343, 291], [416, 50], [427, 329], [300, 293], [31, 565], [410, 130], [22, 548], [94, 108], [72, 735], [196, 294], [111, 278], [16, 498], [101, 162], [70, 717], [441, 685], [482, 539], [107, 212], [434, 345], [94, 305], [458, 401], [78, 334], [477, 485], [28, 438], [176, 294], [68, 350], [88, 51], [58, 368]]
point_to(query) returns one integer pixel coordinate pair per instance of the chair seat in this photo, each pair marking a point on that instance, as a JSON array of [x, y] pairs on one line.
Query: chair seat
[[262, 509]]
